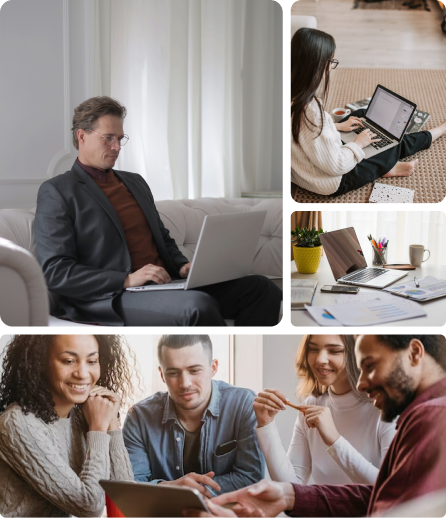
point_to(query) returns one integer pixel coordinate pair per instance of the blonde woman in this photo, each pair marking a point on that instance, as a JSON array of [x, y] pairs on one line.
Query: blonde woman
[[339, 437]]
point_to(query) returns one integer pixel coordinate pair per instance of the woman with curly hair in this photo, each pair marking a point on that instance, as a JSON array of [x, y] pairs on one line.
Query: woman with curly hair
[[338, 437], [59, 423]]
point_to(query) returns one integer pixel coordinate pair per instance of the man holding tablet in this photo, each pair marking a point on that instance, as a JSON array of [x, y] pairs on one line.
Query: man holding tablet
[[200, 434]]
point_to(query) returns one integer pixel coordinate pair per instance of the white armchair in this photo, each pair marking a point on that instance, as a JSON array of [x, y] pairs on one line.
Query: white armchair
[[24, 297]]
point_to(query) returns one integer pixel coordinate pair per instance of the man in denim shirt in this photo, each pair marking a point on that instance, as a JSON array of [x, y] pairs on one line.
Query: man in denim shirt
[[200, 433]]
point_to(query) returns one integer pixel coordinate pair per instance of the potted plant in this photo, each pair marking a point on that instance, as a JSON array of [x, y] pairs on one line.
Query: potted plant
[[307, 249]]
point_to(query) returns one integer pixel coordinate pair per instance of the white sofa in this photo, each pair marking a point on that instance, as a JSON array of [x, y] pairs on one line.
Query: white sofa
[[24, 298]]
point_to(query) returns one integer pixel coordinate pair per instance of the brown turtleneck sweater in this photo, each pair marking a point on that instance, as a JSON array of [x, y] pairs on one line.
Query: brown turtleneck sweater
[[138, 234]]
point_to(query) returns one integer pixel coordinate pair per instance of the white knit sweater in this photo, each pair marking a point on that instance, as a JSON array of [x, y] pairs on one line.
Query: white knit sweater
[[318, 162], [354, 457]]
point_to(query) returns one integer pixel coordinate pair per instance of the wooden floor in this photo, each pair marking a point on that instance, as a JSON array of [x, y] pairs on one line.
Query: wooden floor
[[380, 38]]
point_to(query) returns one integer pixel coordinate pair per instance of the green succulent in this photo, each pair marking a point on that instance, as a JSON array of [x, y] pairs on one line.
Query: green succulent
[[306, 238]]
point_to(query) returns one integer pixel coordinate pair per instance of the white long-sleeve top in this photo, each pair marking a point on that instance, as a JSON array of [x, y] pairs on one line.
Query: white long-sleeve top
[[354, 457], [318, 162]]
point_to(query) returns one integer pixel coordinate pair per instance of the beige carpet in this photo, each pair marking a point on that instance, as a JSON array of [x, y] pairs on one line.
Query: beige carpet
[[426, 88]]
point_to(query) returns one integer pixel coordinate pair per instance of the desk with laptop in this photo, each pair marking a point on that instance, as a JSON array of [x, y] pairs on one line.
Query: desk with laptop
[[344, 264]]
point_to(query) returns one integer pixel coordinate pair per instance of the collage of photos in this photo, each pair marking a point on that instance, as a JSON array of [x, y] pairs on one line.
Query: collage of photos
[[81, 414]]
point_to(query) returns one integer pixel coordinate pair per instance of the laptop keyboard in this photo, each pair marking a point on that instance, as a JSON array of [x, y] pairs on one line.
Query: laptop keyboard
[[377, 145], [366, 275]]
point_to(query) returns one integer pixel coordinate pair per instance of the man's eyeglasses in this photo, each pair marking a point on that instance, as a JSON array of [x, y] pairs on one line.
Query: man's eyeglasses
[[334, 63], [111, 139]]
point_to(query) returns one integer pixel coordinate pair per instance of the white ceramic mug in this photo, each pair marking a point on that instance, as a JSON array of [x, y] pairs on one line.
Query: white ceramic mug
[[345, 112], [416, 254]]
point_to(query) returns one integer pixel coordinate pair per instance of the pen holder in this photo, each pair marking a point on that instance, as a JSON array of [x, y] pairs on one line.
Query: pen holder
[[379, 256]]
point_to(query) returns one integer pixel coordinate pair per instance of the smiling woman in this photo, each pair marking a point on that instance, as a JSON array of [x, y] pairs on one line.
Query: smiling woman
[[59, 423], [335, 423]]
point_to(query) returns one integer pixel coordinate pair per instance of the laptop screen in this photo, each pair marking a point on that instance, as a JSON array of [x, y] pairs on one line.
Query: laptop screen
[[390, 111], [343, 251]]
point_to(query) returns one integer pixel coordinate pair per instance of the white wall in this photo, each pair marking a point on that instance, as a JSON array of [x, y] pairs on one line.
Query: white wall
[[46, 50], [279, 352]]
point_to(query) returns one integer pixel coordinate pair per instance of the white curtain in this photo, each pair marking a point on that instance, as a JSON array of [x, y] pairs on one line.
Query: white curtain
[[400, 228], [202, 82]]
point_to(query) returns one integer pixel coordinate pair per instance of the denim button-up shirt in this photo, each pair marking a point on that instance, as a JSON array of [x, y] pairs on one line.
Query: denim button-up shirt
[[154, 438]]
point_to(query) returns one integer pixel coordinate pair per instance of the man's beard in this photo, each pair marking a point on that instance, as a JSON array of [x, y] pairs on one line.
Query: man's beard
[[186, 406], [401, 382]]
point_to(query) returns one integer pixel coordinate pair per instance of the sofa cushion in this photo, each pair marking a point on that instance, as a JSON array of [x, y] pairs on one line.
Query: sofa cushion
[[17, 225]]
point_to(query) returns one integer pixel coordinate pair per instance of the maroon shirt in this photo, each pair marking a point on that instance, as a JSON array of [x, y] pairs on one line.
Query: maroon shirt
[[138, 234], [415, 465]]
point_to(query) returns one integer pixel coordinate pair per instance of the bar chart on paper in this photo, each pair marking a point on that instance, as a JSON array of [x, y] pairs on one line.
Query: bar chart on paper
[[375, 312]]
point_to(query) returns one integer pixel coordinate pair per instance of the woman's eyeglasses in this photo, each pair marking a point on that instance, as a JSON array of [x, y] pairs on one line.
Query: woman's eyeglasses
[[334, 63]]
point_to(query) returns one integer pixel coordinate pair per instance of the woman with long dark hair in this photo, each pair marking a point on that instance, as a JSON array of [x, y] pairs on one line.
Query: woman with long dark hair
[[338, 437], [59, 423], [320, 162]]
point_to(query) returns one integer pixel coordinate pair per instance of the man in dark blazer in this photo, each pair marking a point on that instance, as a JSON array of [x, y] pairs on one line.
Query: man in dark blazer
[[98, 232]]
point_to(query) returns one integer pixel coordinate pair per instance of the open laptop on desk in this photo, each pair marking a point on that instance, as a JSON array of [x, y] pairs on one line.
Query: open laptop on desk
[[225, 251], [347, 261], [388, 115]]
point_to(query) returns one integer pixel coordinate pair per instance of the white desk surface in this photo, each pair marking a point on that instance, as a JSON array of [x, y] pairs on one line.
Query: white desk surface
[[435, 309]]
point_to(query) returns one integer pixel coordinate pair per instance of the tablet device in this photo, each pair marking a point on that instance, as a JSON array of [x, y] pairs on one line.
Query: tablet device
[[144, 499]]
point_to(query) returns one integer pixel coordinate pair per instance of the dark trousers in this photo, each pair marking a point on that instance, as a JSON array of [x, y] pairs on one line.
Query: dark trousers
[[368, 170], [251, 301]]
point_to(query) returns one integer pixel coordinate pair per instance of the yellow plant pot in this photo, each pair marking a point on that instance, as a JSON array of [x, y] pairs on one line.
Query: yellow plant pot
[[307, 259]]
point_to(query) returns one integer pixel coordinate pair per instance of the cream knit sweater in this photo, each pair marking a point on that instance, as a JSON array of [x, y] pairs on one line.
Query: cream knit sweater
[[318, 162], [54, 469]]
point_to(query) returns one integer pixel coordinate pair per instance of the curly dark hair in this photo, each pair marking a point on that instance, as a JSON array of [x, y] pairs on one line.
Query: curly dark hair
[[24, 377]]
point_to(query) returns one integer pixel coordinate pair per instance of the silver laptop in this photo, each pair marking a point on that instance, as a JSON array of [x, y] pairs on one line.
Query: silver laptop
[[347, 261], [388, 115], [225, 251]]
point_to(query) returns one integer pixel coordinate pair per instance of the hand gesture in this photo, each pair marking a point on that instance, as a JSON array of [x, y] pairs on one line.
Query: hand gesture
[[320, 417], [196, 481], [114, 398], [99, 413], [265, 498], [350, 124], [267, 405]]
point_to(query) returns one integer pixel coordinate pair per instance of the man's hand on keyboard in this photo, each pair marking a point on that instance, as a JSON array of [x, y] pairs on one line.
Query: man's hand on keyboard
[[184, 271], [147, 273]]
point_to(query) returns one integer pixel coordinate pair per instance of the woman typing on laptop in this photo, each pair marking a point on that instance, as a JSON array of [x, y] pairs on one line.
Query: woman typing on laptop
[[320, 160]]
